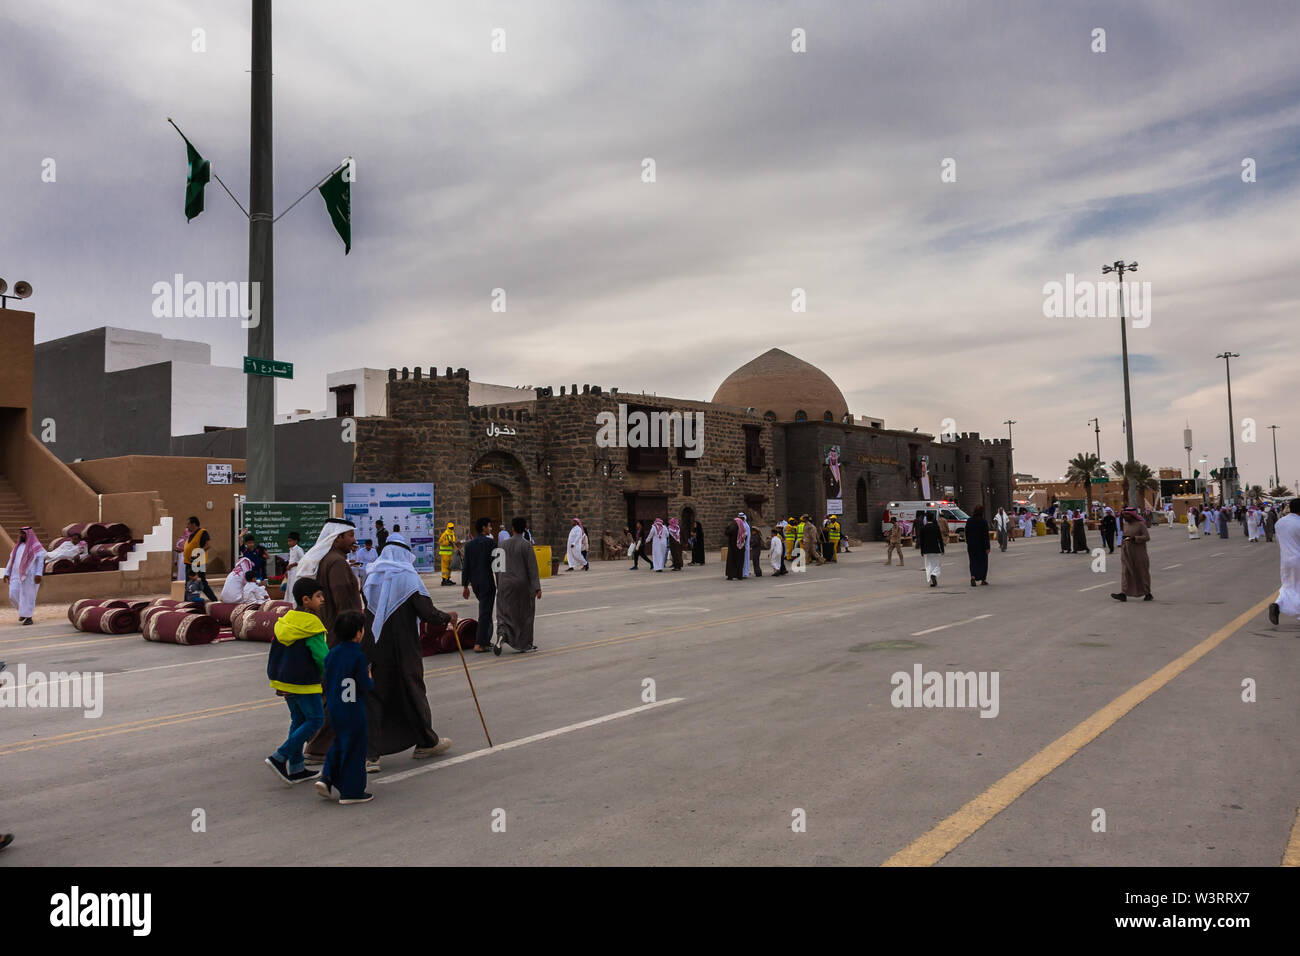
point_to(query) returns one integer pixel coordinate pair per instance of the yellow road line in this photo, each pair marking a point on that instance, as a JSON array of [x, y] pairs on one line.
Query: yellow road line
[[1292, 855], [947, 835], [146, 723], [59, 647]]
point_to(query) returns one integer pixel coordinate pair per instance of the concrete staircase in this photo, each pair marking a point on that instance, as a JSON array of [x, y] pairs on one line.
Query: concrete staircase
[[159, 539], [15, 514]]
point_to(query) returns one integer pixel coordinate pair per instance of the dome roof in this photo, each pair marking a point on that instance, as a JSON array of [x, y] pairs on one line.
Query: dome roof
[[778, 382]]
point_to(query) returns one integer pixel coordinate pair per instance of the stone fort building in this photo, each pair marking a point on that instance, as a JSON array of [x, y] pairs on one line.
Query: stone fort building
[[767, 436]]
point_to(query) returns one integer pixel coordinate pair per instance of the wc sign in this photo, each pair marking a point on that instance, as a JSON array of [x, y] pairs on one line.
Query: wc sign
[[220, 474]]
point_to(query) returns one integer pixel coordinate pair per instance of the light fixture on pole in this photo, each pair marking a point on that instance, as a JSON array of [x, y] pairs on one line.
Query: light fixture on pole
[[1118, 267], [1231, 484], [21, 291], [1009, 422]]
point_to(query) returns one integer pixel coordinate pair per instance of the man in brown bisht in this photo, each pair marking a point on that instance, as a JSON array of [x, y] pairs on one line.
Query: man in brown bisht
[[519, 588], [1136, 574], [397, 707], [811, 544], [327, 562]]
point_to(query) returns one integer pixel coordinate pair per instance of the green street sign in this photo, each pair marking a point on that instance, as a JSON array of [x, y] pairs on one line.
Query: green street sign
[[1101, 480], [271, 521], [254, 366]]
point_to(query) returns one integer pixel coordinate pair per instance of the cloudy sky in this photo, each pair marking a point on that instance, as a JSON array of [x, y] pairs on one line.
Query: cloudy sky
[[775, 170]]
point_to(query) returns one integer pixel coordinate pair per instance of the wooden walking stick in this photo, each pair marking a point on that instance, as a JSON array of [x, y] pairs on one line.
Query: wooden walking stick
[[456, 634]]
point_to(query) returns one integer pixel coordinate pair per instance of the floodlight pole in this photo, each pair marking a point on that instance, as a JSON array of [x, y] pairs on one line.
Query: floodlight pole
[[259, 449]]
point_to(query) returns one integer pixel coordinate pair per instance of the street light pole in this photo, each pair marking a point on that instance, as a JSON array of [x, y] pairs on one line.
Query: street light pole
[[1232, 434], [1118, 266], [260, 445], [1096, 423], [1009, 422], [1277, 476]]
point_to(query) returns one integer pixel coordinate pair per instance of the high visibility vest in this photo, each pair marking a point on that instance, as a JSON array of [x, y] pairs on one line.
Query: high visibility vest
[[447, 542], [790, 533], [833, 531], [801, 524], [191, 544]]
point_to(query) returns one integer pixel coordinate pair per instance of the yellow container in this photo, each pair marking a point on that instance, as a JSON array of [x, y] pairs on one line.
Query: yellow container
[[543, 552]]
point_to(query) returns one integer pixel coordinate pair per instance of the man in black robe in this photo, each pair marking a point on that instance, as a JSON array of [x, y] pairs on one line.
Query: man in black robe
[[977, 546], [397, 708], [735, 554], [697, 544], [1080, 534], [476, 573], [1065, 534]]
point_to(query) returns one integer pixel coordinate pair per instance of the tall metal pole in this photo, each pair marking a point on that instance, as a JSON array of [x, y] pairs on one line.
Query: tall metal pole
[[1096, 422], [1277, 476], [1232, 435], [1009, 422], [260, 449], [1128, 403]]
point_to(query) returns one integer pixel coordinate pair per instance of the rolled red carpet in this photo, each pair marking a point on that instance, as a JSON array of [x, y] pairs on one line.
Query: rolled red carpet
[[107, 620], [180, 627]]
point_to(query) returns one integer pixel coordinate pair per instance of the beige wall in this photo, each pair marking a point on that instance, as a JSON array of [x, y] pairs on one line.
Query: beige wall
[[182, 485], [18, 346]]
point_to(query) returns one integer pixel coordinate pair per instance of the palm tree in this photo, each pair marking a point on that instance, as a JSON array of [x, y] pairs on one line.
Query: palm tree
[[1146, 479], [1279, 491], [1255, 491], [1081, 468]]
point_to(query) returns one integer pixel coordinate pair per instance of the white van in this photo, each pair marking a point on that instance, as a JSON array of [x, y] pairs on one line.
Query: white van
[[905, 511]]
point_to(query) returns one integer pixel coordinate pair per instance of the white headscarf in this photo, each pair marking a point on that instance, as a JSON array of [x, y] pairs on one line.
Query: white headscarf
[[390, 580], [311, 560]]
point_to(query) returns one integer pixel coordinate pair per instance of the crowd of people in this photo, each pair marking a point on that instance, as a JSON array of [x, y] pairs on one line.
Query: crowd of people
[[662, 547]]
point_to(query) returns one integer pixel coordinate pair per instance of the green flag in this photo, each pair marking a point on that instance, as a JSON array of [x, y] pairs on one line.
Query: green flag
[[199, 174], [337, 193]]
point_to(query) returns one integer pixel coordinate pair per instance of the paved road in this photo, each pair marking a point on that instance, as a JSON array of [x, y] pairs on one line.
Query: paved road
[[770, 696]]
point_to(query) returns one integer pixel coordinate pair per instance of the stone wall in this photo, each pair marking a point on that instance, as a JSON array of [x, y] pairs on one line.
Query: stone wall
[[543, 457]]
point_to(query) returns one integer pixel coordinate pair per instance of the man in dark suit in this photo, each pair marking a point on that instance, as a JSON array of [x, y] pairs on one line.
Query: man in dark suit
[[476, 573]]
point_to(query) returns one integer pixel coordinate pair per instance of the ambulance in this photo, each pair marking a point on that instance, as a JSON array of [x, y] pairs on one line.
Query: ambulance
[[905, 511]]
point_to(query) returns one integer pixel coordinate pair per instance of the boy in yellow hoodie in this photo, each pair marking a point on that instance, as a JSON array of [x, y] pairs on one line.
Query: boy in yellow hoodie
[[294, 667]]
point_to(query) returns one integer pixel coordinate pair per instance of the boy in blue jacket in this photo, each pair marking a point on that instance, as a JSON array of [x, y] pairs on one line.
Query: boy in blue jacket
[[294, 668], [347, 681]]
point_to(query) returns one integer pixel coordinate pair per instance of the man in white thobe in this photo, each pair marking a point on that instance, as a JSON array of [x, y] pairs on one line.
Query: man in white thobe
[[1287, 532], [23, 574], [658, 544], [573, 549], [777, 553], [366, 556], [291, 565]]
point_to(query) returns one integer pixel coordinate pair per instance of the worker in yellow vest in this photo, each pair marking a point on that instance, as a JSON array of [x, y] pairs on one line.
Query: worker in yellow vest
[[791, 531], [833, 532], [446, 547]]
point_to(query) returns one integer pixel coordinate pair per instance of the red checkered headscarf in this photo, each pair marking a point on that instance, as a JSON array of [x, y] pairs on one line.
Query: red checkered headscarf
[[30, 547]]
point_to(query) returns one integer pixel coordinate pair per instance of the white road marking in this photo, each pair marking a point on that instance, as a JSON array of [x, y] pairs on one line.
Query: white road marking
[[817, 581], [675, 609], [1171, 567], [1094, 587], [473, 755], [941, 627], [603, 607], [1218, 554]]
